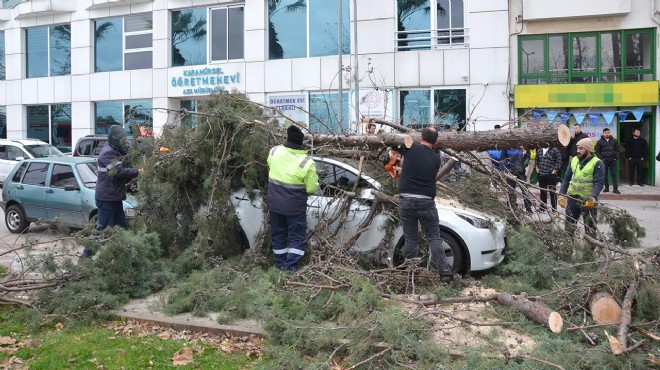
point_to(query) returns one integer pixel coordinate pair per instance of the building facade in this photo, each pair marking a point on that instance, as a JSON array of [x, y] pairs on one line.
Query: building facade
[[593, 62], [73, 68]]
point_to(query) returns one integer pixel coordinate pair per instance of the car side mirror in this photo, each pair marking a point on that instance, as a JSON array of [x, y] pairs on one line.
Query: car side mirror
[[71, 187], [20, 158]]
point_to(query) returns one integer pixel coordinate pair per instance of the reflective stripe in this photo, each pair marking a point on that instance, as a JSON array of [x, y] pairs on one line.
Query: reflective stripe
[[109, 167], [304, 162], [287, 186], [296, 251], [272, 151], [281, 251]]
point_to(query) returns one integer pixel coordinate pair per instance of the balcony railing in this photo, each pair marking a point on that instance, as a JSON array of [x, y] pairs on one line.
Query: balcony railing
[[442, 38]]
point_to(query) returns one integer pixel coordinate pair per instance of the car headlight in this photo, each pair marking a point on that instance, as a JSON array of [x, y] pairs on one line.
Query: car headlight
[[478, 222], [130, 212]]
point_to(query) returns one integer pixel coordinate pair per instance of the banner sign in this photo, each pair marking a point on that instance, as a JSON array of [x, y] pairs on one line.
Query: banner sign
[[187, 81], [293, 106]]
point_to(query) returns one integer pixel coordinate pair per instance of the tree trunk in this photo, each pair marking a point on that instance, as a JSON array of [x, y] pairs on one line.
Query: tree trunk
[[626, 315], [459, 141], [535, 311], [604, 309]]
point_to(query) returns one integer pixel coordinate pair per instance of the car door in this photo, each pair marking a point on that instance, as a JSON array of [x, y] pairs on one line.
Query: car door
[[65, 205], [31, 192], [328, 204], [9, 155]]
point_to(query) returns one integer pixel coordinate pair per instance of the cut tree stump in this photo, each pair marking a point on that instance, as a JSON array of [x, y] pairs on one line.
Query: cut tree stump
[[535, 311], [604, 309]]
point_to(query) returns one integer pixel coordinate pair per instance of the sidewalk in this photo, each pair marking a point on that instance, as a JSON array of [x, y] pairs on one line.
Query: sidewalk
[[633, 193]]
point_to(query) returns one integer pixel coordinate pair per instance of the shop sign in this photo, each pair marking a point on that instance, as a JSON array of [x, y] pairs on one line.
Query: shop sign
[[293, 106], [203, 80]]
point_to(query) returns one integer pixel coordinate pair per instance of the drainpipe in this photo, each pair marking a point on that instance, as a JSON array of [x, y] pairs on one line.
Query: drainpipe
[[340, 67], [656, 11], [357, 68]]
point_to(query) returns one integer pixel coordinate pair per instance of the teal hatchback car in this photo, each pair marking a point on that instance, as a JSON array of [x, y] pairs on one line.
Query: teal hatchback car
[[57, 189]]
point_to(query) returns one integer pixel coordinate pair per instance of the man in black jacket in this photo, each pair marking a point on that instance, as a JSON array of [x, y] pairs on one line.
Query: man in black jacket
[[607, 150], [417, 200], [636, 151], [577, 136]]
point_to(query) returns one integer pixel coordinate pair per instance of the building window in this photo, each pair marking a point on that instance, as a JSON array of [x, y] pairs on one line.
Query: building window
[[134, 115], [419, 28], [444, 107], [3, 122], [50, 123], [2, 56], [324, 114], [306, 28], [191, 38], [609, 56], [48, 51], [190, 118], [123, 43], [8, 4]]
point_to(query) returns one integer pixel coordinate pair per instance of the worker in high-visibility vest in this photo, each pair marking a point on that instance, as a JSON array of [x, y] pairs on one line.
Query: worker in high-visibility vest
[[583, 183], [291, 177]]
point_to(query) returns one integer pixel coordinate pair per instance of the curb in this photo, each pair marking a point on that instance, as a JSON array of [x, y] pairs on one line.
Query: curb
[[178, 324]]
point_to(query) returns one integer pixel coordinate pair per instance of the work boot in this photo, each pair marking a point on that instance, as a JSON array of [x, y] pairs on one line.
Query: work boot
[[616, 191], [607, 189], [445, 279]]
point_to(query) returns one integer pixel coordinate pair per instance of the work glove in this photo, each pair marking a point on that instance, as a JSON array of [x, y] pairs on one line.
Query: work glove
[[591, 201], [562, 202]]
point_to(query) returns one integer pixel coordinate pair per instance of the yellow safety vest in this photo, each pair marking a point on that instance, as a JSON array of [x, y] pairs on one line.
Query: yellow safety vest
[[582, 182]]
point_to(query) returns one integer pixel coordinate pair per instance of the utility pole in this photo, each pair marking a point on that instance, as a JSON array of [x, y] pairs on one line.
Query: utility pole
[[357, 68], [340, 52]]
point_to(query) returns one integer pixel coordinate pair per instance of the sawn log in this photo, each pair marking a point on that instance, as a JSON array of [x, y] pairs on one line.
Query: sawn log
[[535, 311], [459, 141], [604, 309]]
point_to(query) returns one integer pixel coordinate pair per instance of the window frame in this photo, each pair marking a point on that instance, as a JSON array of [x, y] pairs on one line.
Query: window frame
[[125, 34], [209, 33], [434, 31], [49, 72], [597, 75], [431, 116]]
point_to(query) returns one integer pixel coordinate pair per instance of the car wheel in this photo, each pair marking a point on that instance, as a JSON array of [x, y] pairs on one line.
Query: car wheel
[[94, 221], [453, 252], [15, 219]]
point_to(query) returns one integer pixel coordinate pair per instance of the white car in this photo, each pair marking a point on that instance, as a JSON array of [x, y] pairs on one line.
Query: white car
[[473, 241], [13, 151]]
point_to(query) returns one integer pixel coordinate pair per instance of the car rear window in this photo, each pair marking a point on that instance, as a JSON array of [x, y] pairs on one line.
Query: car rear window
[[61, 176], [43, 150], [19, 173], [88, 173], [36, 174]]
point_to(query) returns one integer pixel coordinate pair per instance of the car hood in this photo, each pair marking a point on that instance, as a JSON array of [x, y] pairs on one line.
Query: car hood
[[454, 205]]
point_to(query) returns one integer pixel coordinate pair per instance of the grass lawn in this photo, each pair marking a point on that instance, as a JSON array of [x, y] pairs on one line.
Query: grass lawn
[[118, 346]]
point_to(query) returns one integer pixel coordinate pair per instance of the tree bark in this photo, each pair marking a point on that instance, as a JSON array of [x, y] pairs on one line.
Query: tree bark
[[535, 311], [459, 141], [604, 309], [626, 315]]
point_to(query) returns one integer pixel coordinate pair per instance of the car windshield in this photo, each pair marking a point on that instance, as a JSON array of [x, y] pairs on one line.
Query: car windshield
[[88, 172], [43, 150]]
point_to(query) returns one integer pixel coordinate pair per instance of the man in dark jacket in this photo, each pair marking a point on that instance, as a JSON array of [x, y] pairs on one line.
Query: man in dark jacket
[[607, 150], [548, 164], [417, 192], [516, 162], [577, 136], [636, 152], [113, 175]]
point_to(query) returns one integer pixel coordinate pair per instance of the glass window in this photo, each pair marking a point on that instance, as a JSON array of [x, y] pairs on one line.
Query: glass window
[[51, 124], [8, 4], [61, 176], [60, 50], [3, 122], [189, 120], [48, 51], [128, 114], [533, 56], [610, 52], [287, 29], [324, 113], [227, 33], [14, 153], [323, 31], [138, 41], [108, 47], [36, 174], [450, 108], [450, 22], [36, 41], [414, 21], [88, 173], [140, 60], [189, 37], [557, 56], [420, 28], [638, 51], [584, 53], [415, 107], [19, 173], [290, 37], [3, 74]]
